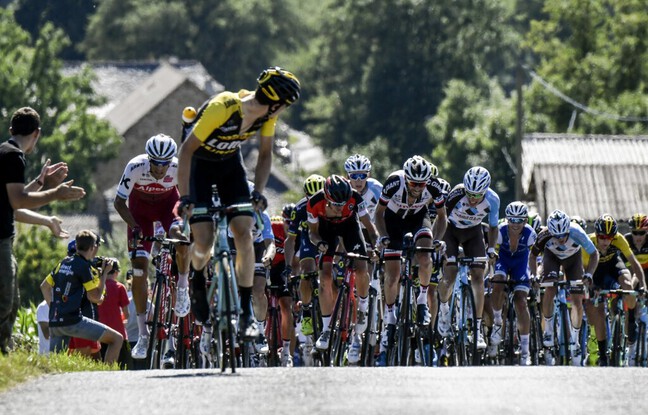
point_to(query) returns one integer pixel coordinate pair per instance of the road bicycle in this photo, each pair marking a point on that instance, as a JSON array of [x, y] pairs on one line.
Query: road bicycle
[[222, 295], [461, 345], [343, 316], [641, 357], [160, 316], [371, 335], [273, 323], [560, 353], [408, 336], [615, 322], [316, 319]]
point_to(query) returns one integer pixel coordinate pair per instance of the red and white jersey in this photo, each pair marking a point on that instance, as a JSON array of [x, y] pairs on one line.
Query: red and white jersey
[[137, 177]]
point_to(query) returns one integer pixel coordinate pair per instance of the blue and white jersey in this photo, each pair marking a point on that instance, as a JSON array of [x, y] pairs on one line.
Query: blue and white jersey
[[464, 216], [577, 239], [526, 241], [259, 235], [371, 195]]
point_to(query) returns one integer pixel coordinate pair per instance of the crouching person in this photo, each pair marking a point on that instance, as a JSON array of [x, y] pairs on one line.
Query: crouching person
[[73, 278]]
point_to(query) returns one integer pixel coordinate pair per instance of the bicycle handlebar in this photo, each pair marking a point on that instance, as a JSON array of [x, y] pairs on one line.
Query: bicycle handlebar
[[561, 284], [352, 255], [164, 241], [466, 260]]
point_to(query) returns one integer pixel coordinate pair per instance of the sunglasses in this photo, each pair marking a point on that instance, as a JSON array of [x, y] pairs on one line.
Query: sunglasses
[[605, 237], [416, 185], [336, 204], [638, 233], [474, 195], [159, 162], [358, 176], [516, 220], [561, 235]]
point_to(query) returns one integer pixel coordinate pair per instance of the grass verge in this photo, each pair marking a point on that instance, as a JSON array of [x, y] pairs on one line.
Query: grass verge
[[20, 366]]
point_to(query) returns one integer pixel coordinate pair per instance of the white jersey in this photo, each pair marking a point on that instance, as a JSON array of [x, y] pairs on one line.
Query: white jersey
[[137, 176], [395, 196], [464, 216], [371, 195]]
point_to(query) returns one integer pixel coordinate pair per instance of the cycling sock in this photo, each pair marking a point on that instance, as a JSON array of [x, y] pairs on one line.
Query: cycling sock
[[390, 317], [422, 297], [286, 346], [524, 343], [497, 317], [574, 335], [363, 303], [444, 307], [141, 324], [548, 329], [246, 301], [261, 325], [326, 321], [183, 280], [602, 347], [479, 325], [306, 310]]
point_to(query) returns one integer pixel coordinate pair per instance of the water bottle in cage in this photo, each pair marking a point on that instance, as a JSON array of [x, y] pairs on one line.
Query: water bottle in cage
[[188, 119]]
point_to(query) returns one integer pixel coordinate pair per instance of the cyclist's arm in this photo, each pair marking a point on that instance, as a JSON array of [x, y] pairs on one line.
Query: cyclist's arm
[[289, 249], [270, 249], [492, 236], [440, 224], [124, 212], [379, 217], [187, 149], [313, 233], [46, 289], [593, 262], [637, 270], [264, 162], [371, 228]]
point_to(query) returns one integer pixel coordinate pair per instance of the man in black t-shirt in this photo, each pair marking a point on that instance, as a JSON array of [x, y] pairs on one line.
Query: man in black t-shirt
[[14, 194]]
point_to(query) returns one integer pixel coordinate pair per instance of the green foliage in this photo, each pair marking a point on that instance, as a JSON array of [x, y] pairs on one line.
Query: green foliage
[[30, 74], [378, 152], [25, 329], [37, 253]]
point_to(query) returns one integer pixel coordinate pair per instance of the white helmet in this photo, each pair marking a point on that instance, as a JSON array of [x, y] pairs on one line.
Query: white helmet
[[477, 180], [558, 223], [357, 162], [161, 147], [517, 210], [417, 169], [445, 186]]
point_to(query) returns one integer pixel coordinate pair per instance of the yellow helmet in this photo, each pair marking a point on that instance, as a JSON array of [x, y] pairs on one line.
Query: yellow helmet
[[313, 184], [277, 85]]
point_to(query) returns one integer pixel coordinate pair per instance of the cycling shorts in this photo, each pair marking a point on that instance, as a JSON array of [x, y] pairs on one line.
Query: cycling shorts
[[350, 232], [145, 212], [230, 179], [471, 239], [517, 267], [419, 225]]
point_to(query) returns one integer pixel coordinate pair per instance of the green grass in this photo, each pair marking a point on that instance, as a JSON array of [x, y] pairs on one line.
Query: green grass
[[20, 366]]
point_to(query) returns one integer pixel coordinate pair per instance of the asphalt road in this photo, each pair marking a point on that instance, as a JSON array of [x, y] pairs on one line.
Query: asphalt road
[[395, 391]]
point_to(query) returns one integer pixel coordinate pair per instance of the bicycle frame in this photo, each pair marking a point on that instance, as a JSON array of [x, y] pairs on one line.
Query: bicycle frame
[[562, 324], [273, 324]]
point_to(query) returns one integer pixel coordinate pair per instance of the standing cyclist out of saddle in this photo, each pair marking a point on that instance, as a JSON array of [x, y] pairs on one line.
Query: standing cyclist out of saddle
[[514, 239], [149, 184], [298, 238], [611, 273], [560, 244], [403, 208], [467, 205], [211, 155], [336, 212]]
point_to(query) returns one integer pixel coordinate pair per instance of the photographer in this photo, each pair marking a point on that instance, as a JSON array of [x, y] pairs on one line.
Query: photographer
[[74, 279]]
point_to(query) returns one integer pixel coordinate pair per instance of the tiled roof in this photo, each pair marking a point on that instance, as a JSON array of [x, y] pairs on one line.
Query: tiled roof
[[117, 80], [586, 175]]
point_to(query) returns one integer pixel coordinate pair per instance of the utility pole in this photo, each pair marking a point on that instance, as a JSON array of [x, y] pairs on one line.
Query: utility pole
[[519, 131]]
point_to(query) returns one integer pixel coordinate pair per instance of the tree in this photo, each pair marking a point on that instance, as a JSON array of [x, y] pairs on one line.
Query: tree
[[30, 74]]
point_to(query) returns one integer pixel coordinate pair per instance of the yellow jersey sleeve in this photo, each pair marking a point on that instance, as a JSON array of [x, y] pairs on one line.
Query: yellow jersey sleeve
[[213, 117], [268, 128]]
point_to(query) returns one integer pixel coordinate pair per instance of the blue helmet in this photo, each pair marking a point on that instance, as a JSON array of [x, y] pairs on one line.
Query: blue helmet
[[71, 247]]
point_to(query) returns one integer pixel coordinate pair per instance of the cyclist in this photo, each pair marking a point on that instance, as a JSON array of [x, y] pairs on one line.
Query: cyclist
[[336, 212], [211, 155], [149, 184], [535, 221], [403, 208], [514, 239], [298, 238], [358, 169], [561, 244], [611, 273], [637, 238], [279, 281], [467, 205], [580, 222]]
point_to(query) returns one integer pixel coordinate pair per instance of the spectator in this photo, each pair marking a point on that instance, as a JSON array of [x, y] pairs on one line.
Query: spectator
[[74, 279], [42, 318], [14, 194], [114, 310]]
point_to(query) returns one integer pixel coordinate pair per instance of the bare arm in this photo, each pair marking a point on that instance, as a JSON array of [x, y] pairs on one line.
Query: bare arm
[[637, 270], [46, 289], [264, 163], [289, 249], [96, 294], [270, 252], [20, 198], [313, 233], [533, 264], [371, 228], [187, 149], [35, 218], [124, 212], [44, 325], [380, 220], [593, 262], [440, 224], [125, 312]]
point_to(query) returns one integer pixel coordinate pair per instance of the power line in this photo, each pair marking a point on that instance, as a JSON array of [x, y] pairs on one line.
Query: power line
[[577, 104]]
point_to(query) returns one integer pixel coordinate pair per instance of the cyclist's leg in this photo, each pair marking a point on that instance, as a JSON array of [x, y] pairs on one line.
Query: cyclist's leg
[[423, 238], [446, 285], [550, 270], [353, 238], [520, 274], [285, 304]]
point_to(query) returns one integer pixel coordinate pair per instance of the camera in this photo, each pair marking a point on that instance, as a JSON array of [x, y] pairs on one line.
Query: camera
[[97, 262]]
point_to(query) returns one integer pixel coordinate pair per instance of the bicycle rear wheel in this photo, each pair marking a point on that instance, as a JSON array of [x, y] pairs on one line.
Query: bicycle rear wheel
[[154, 320], [404, 340], [371, 333], [616, 358], [564, 335], [273, 339], [535, 334], [336, 344], [510, 331]]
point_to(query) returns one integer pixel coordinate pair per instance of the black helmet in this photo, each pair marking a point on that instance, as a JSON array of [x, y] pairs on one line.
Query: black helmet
[[288, 211], [276, 85], [337, 189], [605, 225]]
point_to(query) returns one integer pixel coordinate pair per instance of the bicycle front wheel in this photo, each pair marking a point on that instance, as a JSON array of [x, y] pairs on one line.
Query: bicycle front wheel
[[466, 328]]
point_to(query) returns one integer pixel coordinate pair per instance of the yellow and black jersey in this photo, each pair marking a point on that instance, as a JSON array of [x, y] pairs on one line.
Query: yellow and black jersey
[[218, 126], [640, 253], [619, 246]]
